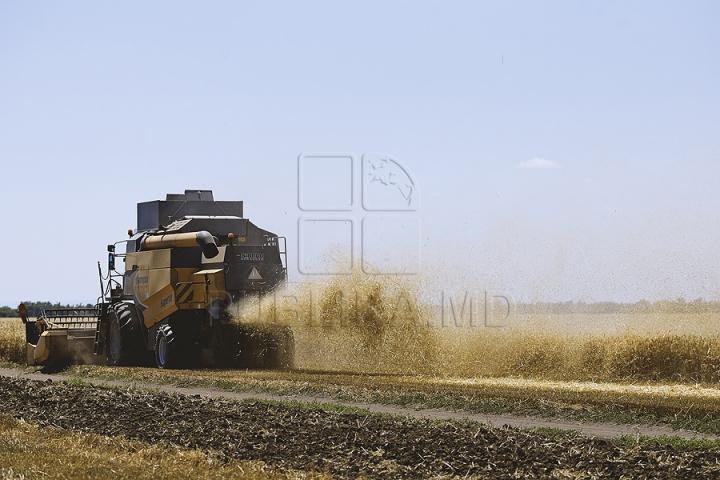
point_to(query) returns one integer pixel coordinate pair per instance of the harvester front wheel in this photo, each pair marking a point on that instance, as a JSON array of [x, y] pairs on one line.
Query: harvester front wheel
[[166, 351], [124, 342]]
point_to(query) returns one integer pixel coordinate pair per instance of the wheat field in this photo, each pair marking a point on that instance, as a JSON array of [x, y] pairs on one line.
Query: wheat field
[[12, 340]]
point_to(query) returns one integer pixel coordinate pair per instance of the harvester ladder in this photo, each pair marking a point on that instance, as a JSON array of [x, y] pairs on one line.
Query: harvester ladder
[[101, 309], [97, 346]]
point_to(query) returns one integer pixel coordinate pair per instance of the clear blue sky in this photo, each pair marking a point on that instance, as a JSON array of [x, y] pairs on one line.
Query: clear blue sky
[[563, 150]]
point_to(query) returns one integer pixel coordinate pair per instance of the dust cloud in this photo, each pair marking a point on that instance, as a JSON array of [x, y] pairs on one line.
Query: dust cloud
[[374, 324]]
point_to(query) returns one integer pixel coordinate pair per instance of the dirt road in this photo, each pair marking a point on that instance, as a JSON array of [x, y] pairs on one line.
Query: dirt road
[[600, 430]]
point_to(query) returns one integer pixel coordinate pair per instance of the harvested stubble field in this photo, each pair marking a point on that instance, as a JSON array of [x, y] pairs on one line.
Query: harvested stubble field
[[29, 451], [296, 438]]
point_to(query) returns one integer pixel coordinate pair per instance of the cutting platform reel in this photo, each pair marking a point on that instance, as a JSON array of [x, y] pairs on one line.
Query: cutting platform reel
[[62, 335]]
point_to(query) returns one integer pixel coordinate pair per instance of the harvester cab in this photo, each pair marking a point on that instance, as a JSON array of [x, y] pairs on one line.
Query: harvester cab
[[188, 261]]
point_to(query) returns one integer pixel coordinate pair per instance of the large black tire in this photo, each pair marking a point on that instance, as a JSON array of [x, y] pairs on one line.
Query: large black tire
[[124, 342], [167, 351]]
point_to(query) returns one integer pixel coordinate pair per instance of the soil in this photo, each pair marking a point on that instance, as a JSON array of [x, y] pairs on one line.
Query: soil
[[348, 445]]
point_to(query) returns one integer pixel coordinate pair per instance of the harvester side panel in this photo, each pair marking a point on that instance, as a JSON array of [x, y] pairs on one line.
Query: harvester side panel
[[148, 282]]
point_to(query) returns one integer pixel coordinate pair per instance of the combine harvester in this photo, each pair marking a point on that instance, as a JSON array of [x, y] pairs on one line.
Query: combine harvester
[[190, 259]]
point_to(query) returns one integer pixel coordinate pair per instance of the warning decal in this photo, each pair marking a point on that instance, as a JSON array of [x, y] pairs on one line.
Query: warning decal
[[254, 274]]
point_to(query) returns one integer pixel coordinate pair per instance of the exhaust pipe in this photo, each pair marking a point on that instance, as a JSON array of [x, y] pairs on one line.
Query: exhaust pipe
[[179, 240]]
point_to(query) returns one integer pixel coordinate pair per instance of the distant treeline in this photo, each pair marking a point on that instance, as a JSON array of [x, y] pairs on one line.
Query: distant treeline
[[643, 306], [34, 309]]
